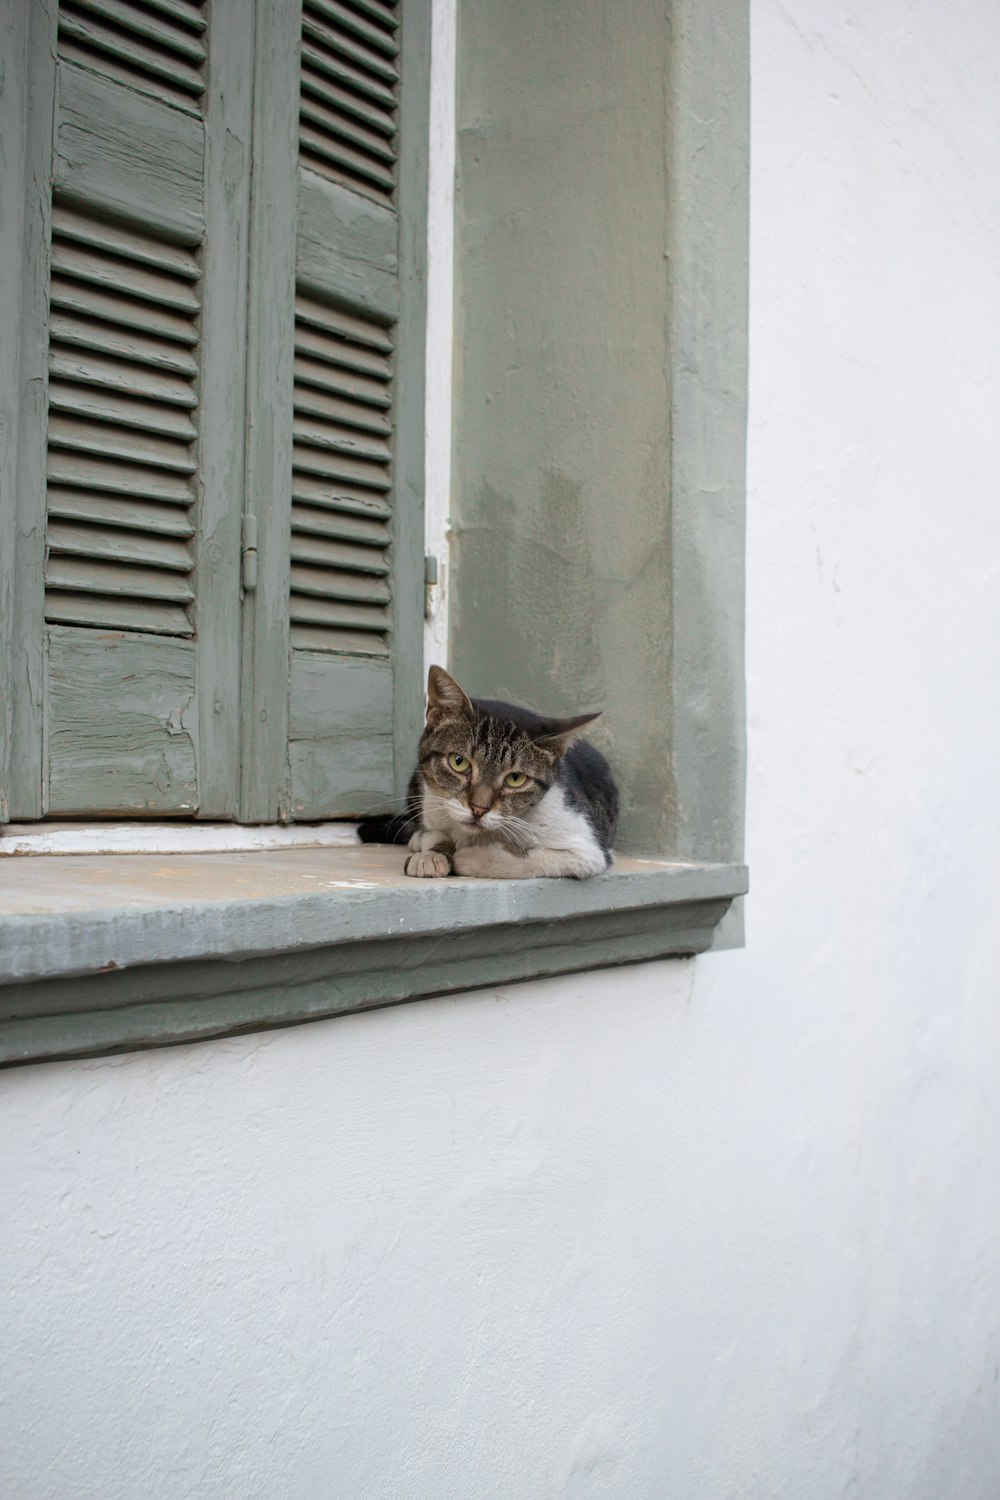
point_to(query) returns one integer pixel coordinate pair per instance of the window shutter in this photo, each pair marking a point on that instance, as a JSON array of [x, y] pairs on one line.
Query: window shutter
[[135, 599], [211, 591], [345, 518]]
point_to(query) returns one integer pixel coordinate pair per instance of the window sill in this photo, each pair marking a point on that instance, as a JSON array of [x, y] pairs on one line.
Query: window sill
[[105, 953]]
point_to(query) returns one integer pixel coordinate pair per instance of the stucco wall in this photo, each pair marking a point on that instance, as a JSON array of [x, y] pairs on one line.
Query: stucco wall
[[712, 1229]]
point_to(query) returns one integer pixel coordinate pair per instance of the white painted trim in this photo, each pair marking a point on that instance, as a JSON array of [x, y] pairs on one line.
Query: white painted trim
[[440, 319], [169, 838]]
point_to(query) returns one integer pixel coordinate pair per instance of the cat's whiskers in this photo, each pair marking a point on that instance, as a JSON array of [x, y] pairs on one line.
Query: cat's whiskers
[[517, 834]]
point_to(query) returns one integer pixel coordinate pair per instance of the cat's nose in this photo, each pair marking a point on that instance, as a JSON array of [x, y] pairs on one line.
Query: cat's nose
[[477, 812]]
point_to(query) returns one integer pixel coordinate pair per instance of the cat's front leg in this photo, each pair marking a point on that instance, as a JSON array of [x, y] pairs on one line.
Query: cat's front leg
[[431, 857], [493, 862]]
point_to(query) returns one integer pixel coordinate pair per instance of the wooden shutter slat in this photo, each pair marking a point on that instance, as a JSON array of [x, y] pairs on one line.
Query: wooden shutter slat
[[334, 523], [70, 329], [108, 613], [337, 68], [126, 43], [115, 541], [341, 614], [137, 20], [351, 18], [332, 583], [116, 511], [93, 576], [345, 356], [103, 307], [119, 239], [334, 413], [337, 495], [119, 442], [341, 382], [101, 370], [382, 11], [339, 41], [338, 469], [323, 552], [86, 471], [359, 440], [316, 638], [126, 277], [343, 325], [346, 163], [98, 404], [324, 93], [374, 137], [187, 13]]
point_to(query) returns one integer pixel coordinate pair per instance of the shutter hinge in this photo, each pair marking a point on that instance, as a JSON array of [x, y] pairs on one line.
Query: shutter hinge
[[431, 580], [249, 553]]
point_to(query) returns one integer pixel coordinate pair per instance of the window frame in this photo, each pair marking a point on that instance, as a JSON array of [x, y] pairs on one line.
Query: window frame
[[315, 955], [590, 278]]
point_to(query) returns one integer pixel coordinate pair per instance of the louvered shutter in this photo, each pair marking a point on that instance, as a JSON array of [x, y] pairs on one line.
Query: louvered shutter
[[138, 336], [216, 586], [341, 484]]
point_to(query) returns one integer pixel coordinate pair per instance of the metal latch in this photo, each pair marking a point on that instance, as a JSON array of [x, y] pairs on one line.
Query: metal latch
[[431, 580], [249, 553]]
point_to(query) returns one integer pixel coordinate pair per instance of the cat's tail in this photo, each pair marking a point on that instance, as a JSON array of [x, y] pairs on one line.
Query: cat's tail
[[387, 830]]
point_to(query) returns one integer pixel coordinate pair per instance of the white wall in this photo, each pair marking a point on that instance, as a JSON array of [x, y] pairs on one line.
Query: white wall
[[709, 1230]]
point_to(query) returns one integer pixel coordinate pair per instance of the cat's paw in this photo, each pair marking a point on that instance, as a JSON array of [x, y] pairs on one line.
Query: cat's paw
[[430, 866]]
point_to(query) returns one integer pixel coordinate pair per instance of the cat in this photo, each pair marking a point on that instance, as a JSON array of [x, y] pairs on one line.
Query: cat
[[502, 793]]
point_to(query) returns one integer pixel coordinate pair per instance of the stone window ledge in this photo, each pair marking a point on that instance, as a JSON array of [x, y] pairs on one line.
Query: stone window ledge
[[106, 953]]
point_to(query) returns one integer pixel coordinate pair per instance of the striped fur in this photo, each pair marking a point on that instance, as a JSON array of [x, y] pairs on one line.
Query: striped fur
[[470, 821]]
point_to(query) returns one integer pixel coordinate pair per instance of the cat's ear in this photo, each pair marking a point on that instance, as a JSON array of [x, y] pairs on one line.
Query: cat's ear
[[559, 734], [444, 696]]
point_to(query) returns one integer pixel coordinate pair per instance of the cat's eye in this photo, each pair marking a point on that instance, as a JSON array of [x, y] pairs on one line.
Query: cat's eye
[[458, 762], [515, 778]]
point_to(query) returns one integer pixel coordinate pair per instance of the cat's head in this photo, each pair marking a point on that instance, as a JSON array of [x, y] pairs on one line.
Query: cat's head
[[486, 768]]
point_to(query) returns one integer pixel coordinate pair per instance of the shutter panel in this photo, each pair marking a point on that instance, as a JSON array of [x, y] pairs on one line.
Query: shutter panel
[[122, 434], [141, 440], [194, 367], [355, 588], [341, 483], [335, 434]]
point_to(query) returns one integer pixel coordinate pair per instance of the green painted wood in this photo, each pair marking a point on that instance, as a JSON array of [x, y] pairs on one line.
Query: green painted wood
[[360, 257], [601, 264], [149, 268], [121, 723], [264, 795], [27, 105], [228, 127], [132, 154], [408, 591], [161, 53], [14, 23], [340, 734], [85, 970], [348, 247]]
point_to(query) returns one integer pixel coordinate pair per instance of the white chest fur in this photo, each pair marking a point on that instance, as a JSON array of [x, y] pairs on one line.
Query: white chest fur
[[554, 839]]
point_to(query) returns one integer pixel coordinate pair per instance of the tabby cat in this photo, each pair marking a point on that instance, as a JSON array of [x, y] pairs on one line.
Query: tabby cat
[[502, 793]]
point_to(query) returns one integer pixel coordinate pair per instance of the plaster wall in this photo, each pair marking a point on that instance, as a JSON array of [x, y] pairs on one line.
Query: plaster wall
[[708, 1229]]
